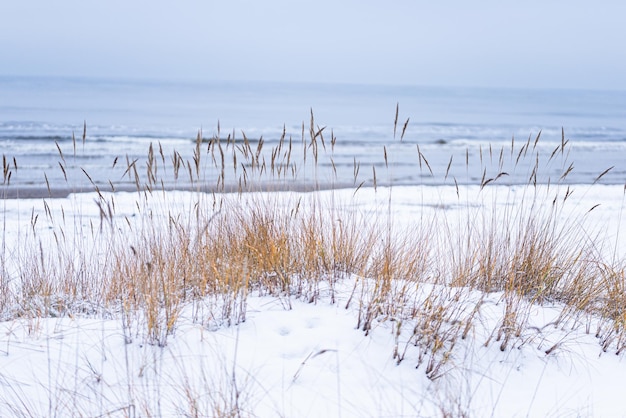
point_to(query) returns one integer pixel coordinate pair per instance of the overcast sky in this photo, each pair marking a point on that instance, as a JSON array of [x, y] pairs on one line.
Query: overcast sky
[[533, 43]]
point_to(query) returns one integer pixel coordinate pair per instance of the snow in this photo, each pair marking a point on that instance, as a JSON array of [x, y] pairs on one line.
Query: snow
[[298, 359]]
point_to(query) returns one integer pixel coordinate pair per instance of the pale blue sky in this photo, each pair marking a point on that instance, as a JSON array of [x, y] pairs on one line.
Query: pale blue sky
[[558, 43]]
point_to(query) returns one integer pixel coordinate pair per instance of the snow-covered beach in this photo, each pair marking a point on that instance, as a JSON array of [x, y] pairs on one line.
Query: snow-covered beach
[[298, 355]]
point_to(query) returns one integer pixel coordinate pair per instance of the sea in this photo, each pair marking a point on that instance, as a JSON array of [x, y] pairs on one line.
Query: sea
[[71, 134]]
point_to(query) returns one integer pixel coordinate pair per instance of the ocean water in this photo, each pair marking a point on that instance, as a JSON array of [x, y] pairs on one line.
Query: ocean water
[[464, 134]]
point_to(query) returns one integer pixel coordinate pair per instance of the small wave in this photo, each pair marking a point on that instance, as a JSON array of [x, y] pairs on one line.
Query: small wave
[[45, 138]]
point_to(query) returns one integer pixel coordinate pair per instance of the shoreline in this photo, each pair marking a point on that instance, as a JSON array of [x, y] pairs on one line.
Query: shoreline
[[38, 192], [41, 192]]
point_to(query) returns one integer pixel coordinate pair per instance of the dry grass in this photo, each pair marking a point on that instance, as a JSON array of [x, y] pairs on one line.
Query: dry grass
[[429, 275]]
